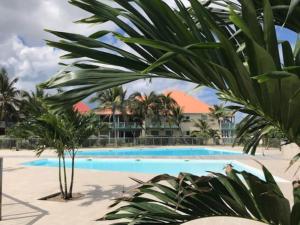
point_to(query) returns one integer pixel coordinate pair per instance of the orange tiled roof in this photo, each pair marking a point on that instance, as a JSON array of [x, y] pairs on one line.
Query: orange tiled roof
[[81, 107], [189, 103]]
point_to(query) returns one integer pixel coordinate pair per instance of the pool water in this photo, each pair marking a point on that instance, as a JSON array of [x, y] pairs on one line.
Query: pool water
[[152, 166], [158, 152]]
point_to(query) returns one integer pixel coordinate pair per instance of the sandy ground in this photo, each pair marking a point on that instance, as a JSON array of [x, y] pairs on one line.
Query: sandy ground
[[23, 186]]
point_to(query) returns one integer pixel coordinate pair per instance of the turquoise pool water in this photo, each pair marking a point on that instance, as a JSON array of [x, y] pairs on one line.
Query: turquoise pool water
[[150, 166], [158, 152]]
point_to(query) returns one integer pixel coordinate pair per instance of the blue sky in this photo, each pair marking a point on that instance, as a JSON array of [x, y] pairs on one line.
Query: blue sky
[[25, 55]]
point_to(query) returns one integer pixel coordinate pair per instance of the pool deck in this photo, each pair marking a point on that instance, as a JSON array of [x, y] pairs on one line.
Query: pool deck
[[23, 186]]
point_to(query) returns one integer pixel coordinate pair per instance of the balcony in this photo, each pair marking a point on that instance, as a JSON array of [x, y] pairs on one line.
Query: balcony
[[228, 126], [161, 126], [125, 125]]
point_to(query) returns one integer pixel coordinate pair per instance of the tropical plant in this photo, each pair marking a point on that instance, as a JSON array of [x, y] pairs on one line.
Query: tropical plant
[[177, 116], [65, 132], [173, 200], [145, 108], [205, 131], [33, 103], [285, 12], [202, 125], [113, 99], [81, 127], [220, 113], [10, 98], [165, 105], [214, 134], [239, 57]]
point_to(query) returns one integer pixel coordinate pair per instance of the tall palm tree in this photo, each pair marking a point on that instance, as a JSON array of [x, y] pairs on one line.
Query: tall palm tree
[[10, 100], [33, 103], [113, 99], [165, 106], [177, 117], [220, 113], [145, 107]]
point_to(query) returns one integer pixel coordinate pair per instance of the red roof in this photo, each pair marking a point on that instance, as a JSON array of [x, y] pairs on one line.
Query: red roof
[[189, 103], [81, 107]]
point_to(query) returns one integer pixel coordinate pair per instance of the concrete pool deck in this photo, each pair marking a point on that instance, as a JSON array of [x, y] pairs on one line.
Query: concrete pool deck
[[23, 185]]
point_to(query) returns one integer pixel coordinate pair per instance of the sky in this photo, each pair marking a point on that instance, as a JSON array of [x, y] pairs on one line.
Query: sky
[[25, 55]]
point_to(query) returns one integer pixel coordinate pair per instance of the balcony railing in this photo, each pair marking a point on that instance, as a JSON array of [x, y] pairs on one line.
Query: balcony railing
[[228, 126], [161, 126], [125, 125], [133, 125]]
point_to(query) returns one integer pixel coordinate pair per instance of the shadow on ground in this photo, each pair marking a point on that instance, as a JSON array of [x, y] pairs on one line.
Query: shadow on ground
[[98, 194], [11, 169], [18, 210]]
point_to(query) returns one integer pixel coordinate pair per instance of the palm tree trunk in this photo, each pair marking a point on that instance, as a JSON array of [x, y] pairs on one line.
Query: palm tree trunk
[[115, 129], [72, 174], [65, 177], [59, 177], [220, 128]]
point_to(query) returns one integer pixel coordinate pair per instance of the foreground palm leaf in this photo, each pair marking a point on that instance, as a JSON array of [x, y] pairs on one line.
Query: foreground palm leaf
[[175, 200], [285, 11], [242, 62]]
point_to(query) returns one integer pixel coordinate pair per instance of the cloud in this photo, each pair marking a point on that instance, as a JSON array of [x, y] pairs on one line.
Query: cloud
[[29, 18], [25, 55], [30, 64]]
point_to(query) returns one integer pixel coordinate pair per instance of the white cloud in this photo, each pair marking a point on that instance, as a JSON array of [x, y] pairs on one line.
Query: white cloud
[[29, 18], [25, 55], [30, 64]]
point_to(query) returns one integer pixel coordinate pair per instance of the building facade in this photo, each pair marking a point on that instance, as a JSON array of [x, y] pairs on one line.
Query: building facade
[[193, 110]]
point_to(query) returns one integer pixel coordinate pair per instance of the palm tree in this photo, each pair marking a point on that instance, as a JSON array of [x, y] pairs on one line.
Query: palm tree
[[197, 45], [205, 131], [113, 99], [165, 105], [220, 113], [9, 99], [177, 116], [81, 127], [33, 103], [145, 108], [65, 132], [202, 125]]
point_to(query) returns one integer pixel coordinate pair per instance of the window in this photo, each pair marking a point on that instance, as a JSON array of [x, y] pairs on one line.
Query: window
[[187, 117], [187, 133]]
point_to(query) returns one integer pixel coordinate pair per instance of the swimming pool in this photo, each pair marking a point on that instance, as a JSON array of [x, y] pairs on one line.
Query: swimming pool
[[156, 152], [151, 166]]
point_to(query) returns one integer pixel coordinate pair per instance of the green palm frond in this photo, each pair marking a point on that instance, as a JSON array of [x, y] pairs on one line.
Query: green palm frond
[[242, 62], [175, 200]]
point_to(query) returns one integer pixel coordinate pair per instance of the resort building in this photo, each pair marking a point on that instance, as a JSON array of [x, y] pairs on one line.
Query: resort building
[[194, 109]]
